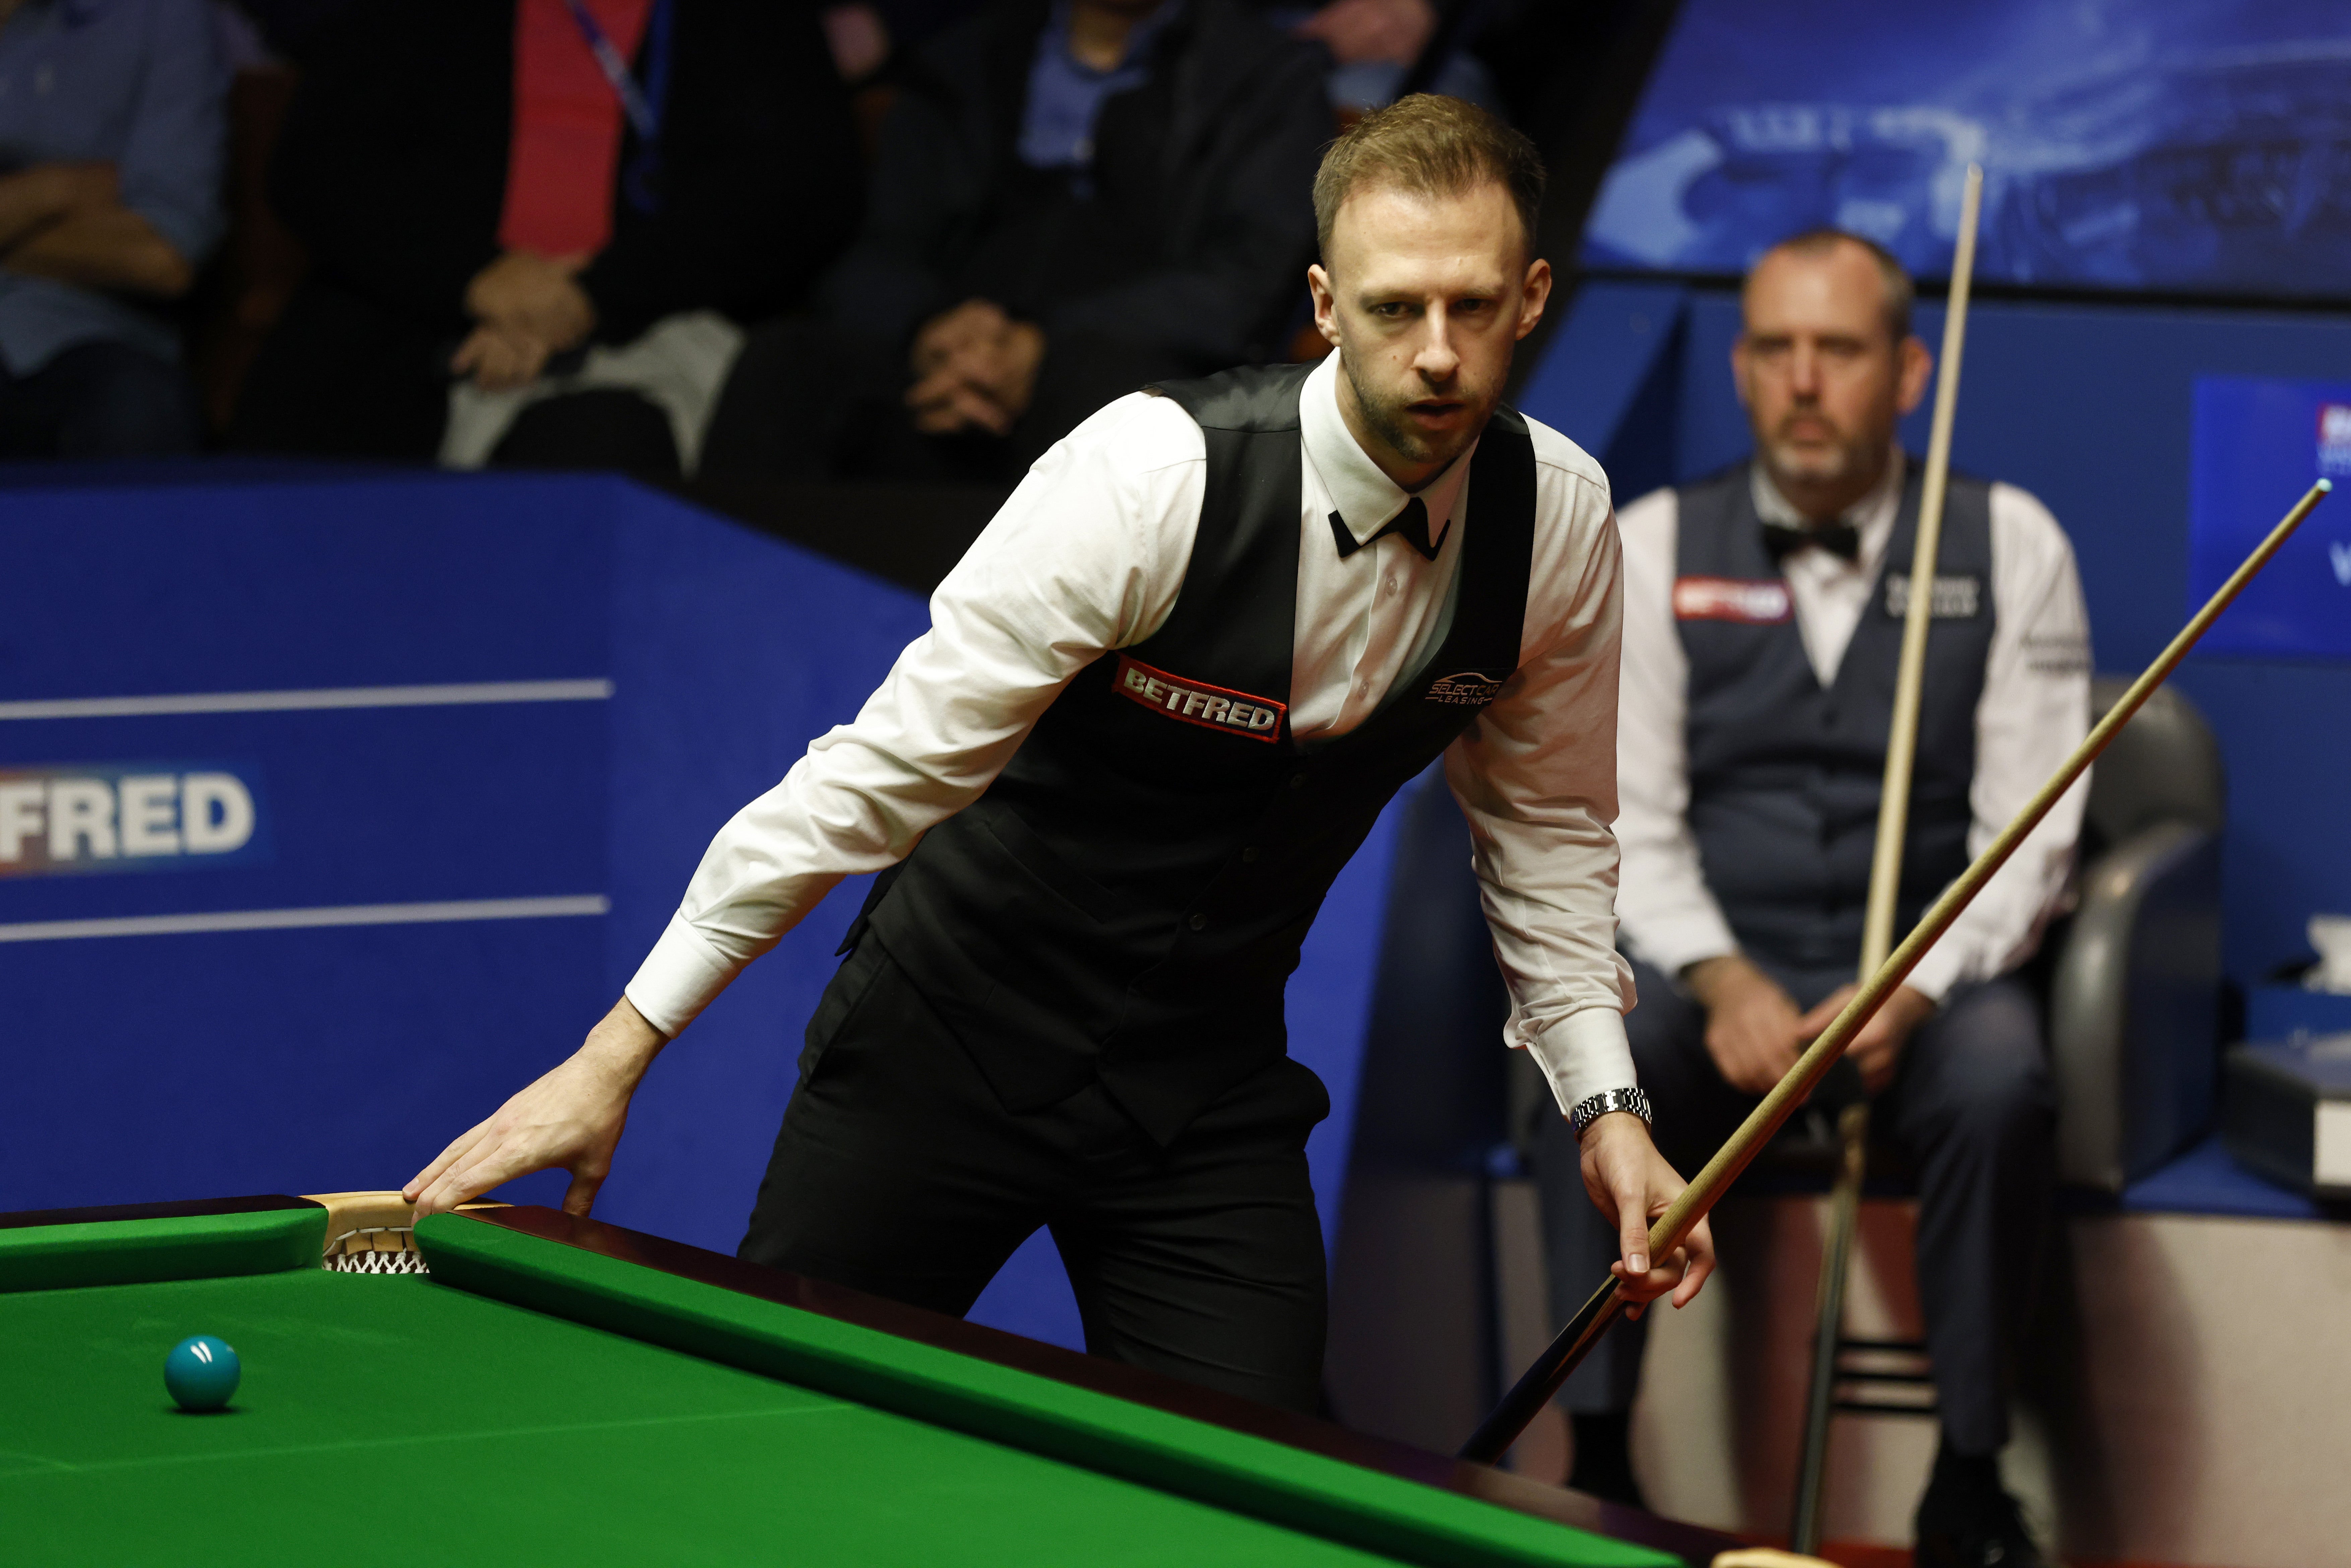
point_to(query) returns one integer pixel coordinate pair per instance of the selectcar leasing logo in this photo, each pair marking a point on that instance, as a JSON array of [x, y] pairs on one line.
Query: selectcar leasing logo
[[1470, 689], [163, 816]]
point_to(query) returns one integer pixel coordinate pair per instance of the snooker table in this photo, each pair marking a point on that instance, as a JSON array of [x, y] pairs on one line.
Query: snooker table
[[556, 1390]]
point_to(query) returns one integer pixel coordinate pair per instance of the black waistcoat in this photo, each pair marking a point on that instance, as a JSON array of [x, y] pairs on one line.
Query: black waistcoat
[[1785, 774], [1127, 899]]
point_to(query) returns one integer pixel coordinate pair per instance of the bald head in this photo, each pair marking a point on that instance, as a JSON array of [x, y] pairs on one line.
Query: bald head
[[1896, 292]]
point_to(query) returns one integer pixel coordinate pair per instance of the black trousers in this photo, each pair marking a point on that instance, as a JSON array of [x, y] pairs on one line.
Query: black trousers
[[898, 1172], [1971, 1104], [99, 399]]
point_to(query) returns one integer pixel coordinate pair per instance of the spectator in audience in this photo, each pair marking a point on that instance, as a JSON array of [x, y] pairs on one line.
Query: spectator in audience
[[1377, 47], [534, 225], [110, 134], [1069, 200]]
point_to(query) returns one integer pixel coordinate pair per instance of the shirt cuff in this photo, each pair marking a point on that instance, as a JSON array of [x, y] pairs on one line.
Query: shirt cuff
[[1944, 966], [1584, 1053], [678, 979]]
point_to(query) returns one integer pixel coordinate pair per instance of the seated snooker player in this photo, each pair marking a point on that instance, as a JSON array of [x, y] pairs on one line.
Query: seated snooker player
[[1161, 703], [1762, 624]]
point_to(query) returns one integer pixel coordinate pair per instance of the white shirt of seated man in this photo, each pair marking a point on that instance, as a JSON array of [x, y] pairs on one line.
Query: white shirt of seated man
[[1825, 377]]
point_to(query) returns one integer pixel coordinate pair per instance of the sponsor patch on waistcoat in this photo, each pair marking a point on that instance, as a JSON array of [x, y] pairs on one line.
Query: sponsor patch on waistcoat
[[1757, 601], [1197, 702], [1470, 689], [1956, 598]]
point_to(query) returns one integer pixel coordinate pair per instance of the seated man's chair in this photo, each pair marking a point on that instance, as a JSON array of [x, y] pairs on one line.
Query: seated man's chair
[[2135, 974]]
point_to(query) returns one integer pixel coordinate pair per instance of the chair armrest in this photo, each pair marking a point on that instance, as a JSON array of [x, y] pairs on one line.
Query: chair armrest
[[2134, 1008]]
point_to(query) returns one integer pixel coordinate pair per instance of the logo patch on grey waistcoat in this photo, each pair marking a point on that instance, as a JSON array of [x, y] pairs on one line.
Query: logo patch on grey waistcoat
[[1755, 601], [1956, 598]]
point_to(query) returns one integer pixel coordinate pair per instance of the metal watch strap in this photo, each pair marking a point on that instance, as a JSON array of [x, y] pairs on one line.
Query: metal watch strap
[[1592, 1107]]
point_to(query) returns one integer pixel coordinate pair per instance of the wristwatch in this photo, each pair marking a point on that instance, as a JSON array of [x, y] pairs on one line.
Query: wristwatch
[[1592, 1107]]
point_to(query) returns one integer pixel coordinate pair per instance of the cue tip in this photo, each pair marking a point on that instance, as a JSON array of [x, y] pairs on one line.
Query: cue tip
[[2325, 487]]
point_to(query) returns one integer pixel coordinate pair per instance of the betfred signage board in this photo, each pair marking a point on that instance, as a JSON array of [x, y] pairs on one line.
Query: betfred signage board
[[2258, 444]]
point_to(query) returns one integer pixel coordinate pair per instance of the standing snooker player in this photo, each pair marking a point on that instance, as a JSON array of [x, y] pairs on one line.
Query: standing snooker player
[[1161, 703], [1762, 624]]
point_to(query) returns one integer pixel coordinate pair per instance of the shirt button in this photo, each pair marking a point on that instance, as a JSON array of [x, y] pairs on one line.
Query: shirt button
[[1249, 856], [1199, 922], [1298, 781]]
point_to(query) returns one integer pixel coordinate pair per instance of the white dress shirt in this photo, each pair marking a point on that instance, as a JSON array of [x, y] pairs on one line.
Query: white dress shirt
[[2033, 710], [1089, 555]]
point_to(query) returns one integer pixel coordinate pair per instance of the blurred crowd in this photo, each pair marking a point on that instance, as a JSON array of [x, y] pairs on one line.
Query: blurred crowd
[[915, 239]]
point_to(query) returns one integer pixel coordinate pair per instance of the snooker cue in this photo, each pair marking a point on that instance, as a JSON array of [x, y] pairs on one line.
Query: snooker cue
[[1534, 1389], [1885, 877]]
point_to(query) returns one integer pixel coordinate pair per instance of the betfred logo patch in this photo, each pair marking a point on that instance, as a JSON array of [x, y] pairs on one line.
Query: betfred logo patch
[[1756, 601], [1196, 702]]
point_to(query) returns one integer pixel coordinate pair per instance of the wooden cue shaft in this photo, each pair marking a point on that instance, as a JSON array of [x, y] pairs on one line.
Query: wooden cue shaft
[[1885, 866], [1551, 1368], [1910, 674]]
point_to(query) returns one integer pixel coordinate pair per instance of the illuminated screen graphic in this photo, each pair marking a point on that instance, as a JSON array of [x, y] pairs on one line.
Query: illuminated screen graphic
[[2191, 146]]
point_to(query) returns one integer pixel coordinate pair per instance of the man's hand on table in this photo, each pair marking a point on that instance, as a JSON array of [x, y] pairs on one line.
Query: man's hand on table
[[1752, 1026], [1631, 1182], [975, 367], [1877, 1048], [570, 1119]]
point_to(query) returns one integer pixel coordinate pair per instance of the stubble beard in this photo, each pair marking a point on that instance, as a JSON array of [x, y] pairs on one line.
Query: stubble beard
[[1383, 415], [1845, 459]]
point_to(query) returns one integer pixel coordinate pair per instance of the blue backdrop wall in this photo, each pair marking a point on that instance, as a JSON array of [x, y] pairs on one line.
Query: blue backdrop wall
[[2091, 407], [486, 726]]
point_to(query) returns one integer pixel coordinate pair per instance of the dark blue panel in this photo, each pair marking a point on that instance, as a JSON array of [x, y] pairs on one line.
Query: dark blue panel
[[2205, 1180], [359, 806], [169, 1067], [180, 1065], [2260, 444], [732, 651], [1616, 344], [302, 585]]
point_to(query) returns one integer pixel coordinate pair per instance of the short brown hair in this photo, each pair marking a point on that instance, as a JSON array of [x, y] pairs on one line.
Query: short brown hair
[[1900, 292], [1430, 146]]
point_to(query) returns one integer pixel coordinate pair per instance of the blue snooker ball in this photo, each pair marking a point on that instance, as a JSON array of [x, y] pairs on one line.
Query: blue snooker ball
[[201, 1372]]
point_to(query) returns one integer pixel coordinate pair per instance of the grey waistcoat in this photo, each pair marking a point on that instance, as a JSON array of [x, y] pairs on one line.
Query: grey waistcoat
[[1785, 774]]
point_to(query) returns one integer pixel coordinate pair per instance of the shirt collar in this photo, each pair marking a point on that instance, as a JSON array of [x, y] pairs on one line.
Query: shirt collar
[[1871, 517], [1366, 498]]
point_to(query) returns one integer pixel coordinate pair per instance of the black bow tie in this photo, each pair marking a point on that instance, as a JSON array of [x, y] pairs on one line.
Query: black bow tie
[[1411, 525], [1779, 542]]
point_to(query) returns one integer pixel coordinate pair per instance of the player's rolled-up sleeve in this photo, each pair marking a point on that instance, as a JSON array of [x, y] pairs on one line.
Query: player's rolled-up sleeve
[[1086, 556], [1536, 778]]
